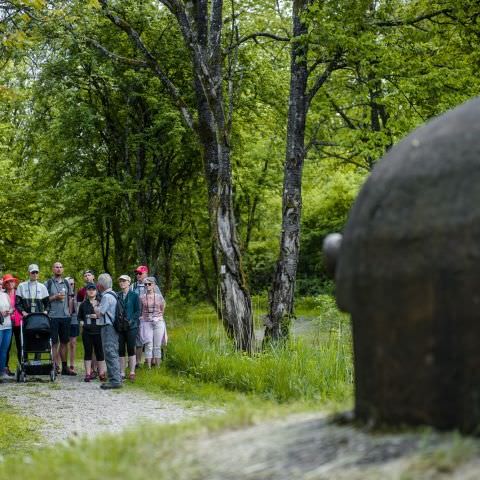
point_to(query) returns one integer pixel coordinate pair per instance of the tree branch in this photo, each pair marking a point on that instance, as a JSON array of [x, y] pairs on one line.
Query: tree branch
[[152, 63], [412, 21], [334, 64]]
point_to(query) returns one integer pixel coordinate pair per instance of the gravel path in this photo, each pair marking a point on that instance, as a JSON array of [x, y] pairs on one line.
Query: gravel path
[[71, 408]]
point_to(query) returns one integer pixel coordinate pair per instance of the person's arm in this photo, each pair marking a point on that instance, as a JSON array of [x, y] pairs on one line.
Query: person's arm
[[20, 304], [81, 313], [136, 308], [46, 304]]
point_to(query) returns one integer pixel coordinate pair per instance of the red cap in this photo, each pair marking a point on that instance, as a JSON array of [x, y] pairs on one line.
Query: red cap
[[9, 277], [141, 269]]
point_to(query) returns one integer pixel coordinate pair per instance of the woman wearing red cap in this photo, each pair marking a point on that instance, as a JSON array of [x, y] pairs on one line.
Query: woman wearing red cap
[[5, 331], [9, 284]]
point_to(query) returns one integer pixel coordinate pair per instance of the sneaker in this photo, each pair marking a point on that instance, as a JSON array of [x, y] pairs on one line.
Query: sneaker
[[9, 372], [110, 386], [87, 378]]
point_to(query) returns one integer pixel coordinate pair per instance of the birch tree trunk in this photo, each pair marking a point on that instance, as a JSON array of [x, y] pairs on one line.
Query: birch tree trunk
[[281, 295]]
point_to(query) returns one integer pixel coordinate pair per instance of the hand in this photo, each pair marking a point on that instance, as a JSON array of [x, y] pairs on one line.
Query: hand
[[5, 313], [24, 314]]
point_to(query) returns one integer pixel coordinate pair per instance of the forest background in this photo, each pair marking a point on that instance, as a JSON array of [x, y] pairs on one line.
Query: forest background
[[101, 169]]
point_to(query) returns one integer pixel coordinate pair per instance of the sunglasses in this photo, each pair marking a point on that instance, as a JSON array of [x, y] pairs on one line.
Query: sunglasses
[[148, 284], [138, 273], [34, 272]]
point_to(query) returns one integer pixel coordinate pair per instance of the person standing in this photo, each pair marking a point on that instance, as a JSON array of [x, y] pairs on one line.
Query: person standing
[[10, 283], [88, 277], [106, 313], [59, 312], [32, 296], [5, 332], [131, 306], [138, 286], [74, 326], [152, 325], [91, 333]]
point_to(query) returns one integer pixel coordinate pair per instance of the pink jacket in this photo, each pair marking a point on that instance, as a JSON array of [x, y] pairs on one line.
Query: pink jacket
[[16, 315]]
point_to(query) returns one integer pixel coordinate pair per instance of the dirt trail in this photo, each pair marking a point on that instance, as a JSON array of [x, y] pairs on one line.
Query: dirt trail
[[312, 447], [70, 407]]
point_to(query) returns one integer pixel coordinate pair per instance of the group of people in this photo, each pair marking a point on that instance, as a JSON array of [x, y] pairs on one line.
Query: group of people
[[92, 309]]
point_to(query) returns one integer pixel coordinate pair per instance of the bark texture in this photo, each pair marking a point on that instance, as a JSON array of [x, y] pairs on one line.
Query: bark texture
[[282, 291], [201, 23]]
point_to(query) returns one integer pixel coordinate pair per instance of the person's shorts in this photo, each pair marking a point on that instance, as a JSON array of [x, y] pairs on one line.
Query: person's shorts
[[60, 330], [74, 330]]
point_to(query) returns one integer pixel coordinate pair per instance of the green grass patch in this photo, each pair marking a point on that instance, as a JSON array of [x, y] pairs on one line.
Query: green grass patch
[[18, 433], [315, 365], [161, 452]]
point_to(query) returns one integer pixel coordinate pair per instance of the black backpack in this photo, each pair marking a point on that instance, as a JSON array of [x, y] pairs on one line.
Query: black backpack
[[120, 322]]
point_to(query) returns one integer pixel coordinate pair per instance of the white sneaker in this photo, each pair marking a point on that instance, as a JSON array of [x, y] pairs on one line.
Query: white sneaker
[[5, 376]]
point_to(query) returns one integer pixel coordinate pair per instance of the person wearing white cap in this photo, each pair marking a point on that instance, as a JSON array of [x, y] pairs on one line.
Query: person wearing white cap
[[31, 295], [131, 305]]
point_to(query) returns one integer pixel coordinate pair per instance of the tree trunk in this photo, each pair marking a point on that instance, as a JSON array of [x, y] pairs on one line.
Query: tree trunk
[[201, 24], [236, 312], [281, 295]]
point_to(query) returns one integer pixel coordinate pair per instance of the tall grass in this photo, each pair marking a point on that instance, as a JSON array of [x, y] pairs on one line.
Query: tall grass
[[314, 366]]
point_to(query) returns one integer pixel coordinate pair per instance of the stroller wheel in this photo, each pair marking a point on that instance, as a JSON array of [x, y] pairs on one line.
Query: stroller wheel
[[53, 375]]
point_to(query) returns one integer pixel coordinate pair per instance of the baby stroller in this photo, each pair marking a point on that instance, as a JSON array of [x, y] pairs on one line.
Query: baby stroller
[[36, 354]]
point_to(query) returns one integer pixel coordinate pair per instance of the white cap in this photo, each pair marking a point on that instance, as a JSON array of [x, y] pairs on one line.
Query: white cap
[[33, 268]]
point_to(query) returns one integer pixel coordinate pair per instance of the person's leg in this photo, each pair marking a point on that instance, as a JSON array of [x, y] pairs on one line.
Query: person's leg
[[87, 355], [139, 347], [72, 344], [5, 337], [158, 332], [110, 350], [18, 342], [98, 352], [121, 351], [7, 369], [147, 340], [131, 342], [64, 336], [55, 343]]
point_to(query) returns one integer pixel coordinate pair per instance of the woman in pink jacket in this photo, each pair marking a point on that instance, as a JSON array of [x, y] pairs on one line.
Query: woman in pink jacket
[[9, 284]]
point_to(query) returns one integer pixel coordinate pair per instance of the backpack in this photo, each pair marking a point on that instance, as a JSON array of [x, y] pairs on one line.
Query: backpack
[[120, 322]]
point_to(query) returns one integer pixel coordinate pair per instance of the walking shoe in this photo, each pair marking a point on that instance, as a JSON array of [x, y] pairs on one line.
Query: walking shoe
[[110, 386], [87, 378], [9, 372], [68, 372], [131, 377]]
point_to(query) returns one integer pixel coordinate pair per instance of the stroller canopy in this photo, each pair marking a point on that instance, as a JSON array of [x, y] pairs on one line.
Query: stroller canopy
[[39, 322]]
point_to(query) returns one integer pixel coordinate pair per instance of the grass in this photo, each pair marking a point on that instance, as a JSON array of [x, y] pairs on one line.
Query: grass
[[317, 366], [17, 432], [201, 368]]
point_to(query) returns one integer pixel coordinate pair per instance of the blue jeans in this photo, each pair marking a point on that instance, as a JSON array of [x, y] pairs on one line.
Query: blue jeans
[[5, 337]]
